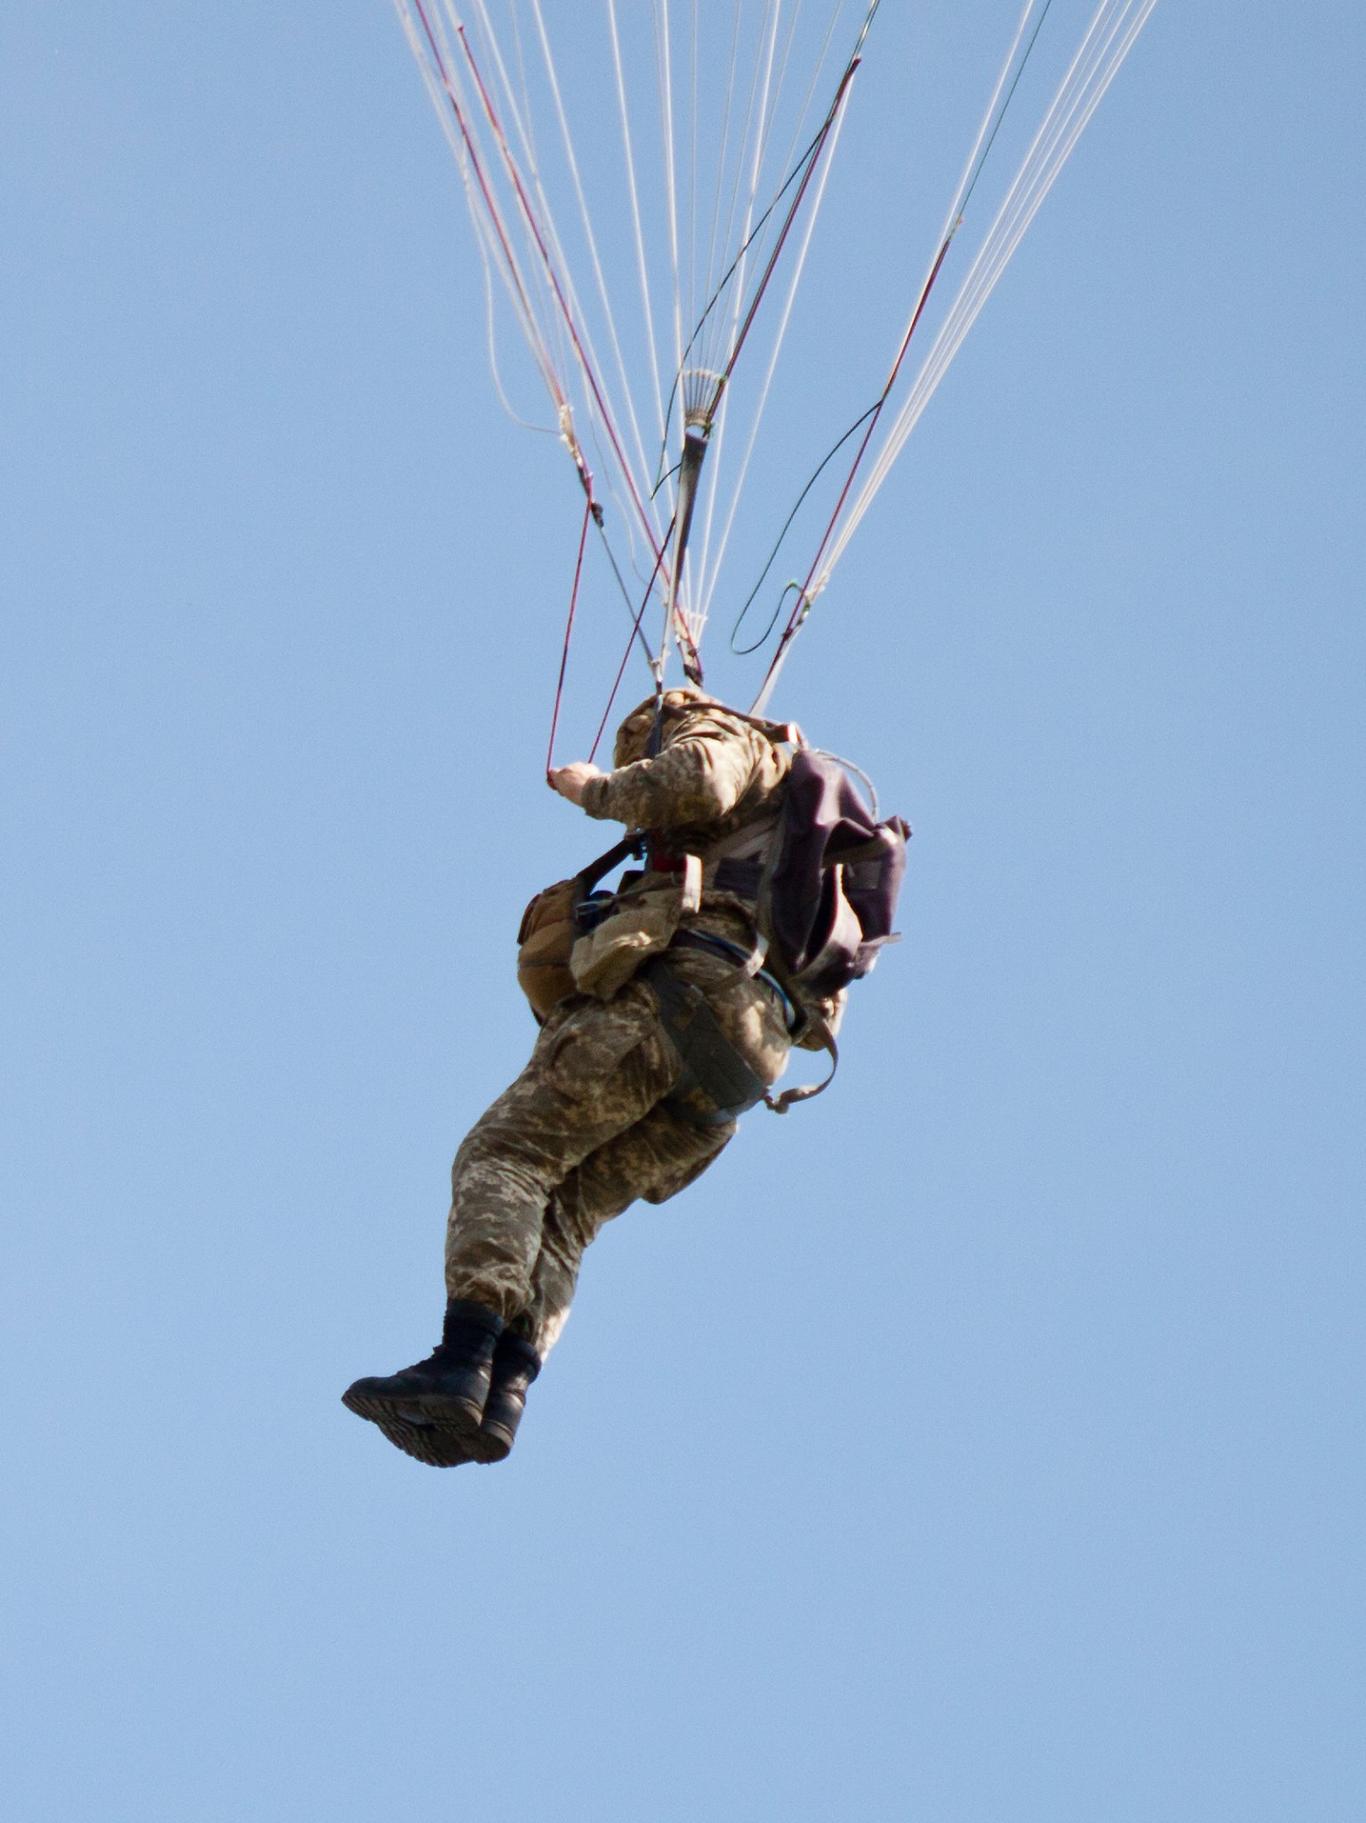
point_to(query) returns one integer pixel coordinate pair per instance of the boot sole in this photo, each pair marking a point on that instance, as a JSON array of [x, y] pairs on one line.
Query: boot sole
[[445, 1439]]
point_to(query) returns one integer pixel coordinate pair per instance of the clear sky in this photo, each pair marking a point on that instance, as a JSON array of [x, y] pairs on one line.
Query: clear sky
[[982, 1444]]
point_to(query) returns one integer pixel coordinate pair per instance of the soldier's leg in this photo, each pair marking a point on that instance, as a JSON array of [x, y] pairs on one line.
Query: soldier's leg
[[598, 1069], [653, 1161]]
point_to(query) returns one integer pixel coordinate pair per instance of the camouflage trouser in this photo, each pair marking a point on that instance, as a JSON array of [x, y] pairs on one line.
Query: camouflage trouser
[[580, 1135]]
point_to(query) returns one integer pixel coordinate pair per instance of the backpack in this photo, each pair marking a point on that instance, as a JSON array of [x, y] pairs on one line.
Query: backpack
[[826, 895], [829, 889]]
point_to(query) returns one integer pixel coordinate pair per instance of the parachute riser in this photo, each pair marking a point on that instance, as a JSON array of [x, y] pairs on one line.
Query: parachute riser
[[695, 444]]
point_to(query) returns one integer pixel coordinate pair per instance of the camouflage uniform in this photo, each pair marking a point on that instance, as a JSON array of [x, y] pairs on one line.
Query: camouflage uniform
[[581, 1133]]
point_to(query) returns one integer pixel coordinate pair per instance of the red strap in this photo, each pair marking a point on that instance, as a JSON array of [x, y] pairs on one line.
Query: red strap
[[568, 634]]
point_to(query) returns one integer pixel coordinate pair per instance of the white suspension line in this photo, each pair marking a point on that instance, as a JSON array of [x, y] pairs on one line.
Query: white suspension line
[[711, 568], [801, 119], [693, 137], [481, 233], [1097, 61], [604, 294], [642, 265], [525, 286], [500, 166], [709, 353], [1062, 129], [742, 157], [670, 188], [984, 128], [1072, 108], [753, 150], [519, 151], [558, 293], [708, 570], [715, 257], [451, 101]]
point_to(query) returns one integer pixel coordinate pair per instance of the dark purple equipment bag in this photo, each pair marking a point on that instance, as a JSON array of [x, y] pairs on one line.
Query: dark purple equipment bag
[[829, 896]]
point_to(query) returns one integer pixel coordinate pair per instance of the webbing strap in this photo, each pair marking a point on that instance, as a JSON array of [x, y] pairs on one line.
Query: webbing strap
[[790, 1097], [716, 1084], [630, 844]]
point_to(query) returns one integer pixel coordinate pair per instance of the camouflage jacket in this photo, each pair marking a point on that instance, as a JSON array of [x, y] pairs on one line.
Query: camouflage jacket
[[714, 776], [713, 790]]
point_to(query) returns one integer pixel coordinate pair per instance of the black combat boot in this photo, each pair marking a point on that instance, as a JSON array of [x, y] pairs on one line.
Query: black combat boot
[[433, 1409], [515, 1365]]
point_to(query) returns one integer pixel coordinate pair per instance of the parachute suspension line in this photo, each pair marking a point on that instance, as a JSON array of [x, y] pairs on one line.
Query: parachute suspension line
[[519, 132], [633, 189], [694, 115], [443, 85], [655, 661], [714, 241], [714, 299], [471, 163], [712, 564], [694, 451], [589, 237], [813, 478], [665, 67], [762, 109], [490, 332], [1033, 181], [708, 344], [977, 161], [637, 636], [707, 569], [588, 516], [673, 610], [701, 409], [703, 387], [491, 232], [802, 606], [758, 125], [566, 314], [1108, 40], [985, 134]]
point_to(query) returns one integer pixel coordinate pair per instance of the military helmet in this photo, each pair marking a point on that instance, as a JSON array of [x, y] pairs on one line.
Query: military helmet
[[633, 736]]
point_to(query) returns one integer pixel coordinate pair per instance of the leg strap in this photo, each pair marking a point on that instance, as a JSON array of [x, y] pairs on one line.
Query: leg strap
[[716, 1084]]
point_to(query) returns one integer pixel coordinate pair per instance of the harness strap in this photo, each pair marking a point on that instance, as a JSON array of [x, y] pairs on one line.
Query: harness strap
[[749, 962], [799, 1023], [630, 844], [716, 1085]]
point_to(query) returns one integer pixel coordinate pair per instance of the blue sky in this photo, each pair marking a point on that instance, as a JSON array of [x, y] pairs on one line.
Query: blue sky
[[981, 1444]]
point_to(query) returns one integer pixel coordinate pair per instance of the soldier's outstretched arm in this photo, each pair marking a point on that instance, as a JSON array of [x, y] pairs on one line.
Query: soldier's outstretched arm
[[570, 780], [699, 777]]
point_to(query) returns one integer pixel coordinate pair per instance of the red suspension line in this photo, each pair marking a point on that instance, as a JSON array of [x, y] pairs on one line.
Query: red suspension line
[[803, 603], [681, 629], [491, 207], [588, 515], [626, 655], [552, 276], [812, 161]]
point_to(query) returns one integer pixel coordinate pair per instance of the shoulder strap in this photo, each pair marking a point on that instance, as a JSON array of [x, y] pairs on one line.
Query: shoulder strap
[[782, 734], [632, 843]]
